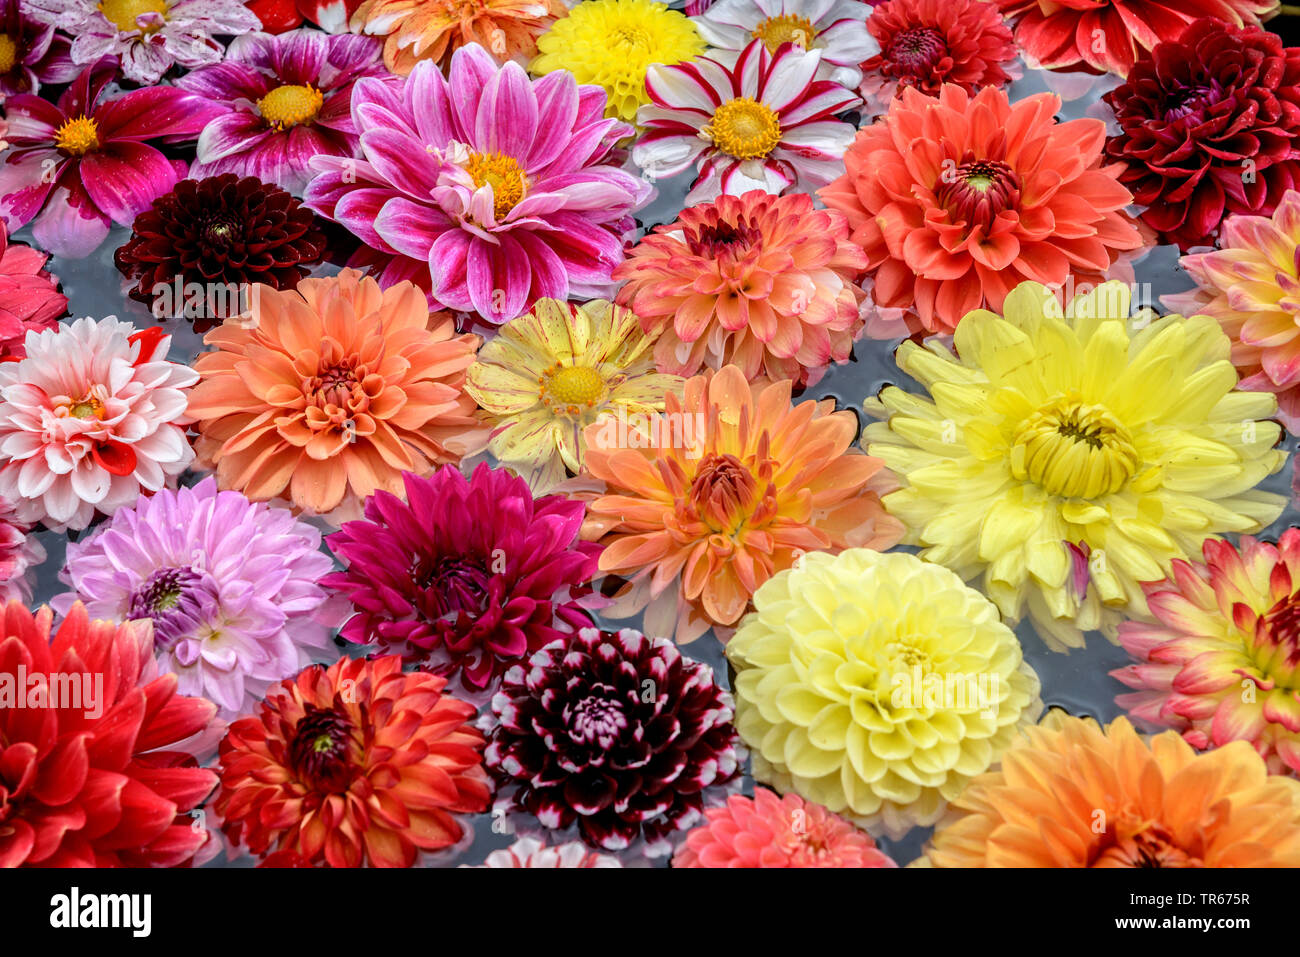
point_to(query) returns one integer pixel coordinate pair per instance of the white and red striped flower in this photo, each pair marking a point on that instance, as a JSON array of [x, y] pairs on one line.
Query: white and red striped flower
[[765, 123]]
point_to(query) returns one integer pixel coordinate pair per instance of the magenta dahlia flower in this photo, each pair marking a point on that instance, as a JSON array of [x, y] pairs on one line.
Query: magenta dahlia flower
[[29, 296], [79, 165], [469, 575], [288, 99], [31, 52], [503, 190]]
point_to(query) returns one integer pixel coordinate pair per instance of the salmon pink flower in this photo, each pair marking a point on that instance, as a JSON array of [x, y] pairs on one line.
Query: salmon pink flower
[[29, 296]]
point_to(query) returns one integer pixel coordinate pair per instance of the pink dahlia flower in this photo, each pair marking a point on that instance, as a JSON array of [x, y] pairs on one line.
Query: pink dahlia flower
[[29, 296], [530, 852], [20, 554], [91, 419], [764, 123], [501, 190], [288, 99], [31, 52], [79, 165]]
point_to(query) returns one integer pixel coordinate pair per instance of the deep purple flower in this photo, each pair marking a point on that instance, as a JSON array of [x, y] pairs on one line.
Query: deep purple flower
[[473, 574], [287, 98], [31, 52]]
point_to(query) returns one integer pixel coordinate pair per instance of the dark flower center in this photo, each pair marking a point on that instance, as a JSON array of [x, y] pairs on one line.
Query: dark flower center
[[318, 752], [713, 240], [977, 190], [174, 599], [1144, 844], [917, 51], [1192, 100], [596, 719], [451, 584]]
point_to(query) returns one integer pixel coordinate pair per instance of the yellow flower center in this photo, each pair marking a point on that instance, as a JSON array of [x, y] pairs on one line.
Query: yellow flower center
[[1074, 450], [122, 13], [77, 136], [87, 407], [8, 53], [570, 387], [636, 37], [289, 105], [787, 28], [744, 128], [505, 176]]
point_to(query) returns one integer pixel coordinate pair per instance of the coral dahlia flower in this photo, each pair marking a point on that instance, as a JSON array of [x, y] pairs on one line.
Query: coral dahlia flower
[[731, 484], [29, 296], [762, 282], [100, 780], [958, 198], [1073, 795], [354, 764], [31, 52], [330, 391]]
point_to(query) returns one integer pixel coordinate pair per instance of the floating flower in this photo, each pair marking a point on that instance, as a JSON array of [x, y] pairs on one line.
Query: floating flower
[[353, 764], [468, 575], [1073, 795], [284, 99], [728, 486], [200, 248], [79, 165], [530, 852], [956, 199], [101, 781], [1065, 460], [29, 296], [611, 44], [771, 831], [231, 587], [1209, 125], [147, 37], [555, 370], [616, 733], [499, 190], [20, 555], [280, 16], [764, 123], [31, 52], [762, 282], [331, 391], [92, 418]]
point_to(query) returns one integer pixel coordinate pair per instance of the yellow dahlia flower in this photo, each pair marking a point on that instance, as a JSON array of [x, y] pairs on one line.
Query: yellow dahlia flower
[[1065, 458], [554, 371], [611, 43], [877, 685]]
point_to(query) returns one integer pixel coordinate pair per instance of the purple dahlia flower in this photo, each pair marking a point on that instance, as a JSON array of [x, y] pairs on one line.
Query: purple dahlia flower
[[232, 588], [503, 190], [31, 52]]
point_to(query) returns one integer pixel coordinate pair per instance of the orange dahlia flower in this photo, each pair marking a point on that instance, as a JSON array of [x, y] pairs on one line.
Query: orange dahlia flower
[[328, 392], [1073, 795], [958, 199], [706, 501]]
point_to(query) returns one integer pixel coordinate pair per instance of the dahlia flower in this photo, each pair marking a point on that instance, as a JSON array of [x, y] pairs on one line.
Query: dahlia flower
[[1066, 33], [231, 587], [29, 296], [762, 282], [281, 16], [91, 419], [1208, 125], [353, 764], [530, 852], [330, 391], [100, 782], [501, 190], [956, 199], [468, 576], [1073, 795], [283, 100], [836, 28], [20, 555], [147, 37], [611, 44], [616, 732], [730, 485], [31, 52], [1065, 460], [762, 123], [771, 831]]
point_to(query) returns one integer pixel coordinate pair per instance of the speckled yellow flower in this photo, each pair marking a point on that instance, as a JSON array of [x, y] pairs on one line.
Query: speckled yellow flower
[[1066, 457], [877, 685], [554, 371], [611, 43]]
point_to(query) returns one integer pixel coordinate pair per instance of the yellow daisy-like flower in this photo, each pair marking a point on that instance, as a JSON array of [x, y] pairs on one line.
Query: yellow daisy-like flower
[[555, 370], [1066, 457], [611, 43], [877, 685]]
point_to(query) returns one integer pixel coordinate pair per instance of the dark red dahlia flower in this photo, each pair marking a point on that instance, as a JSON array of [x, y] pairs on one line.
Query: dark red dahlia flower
[[616, 731], [472, 575], [218, 236], [1209, 126]]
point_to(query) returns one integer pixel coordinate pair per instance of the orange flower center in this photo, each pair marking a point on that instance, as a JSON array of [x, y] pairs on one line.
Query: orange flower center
[[1074, 450], [123, 13], [743, 128], [787, 28], [726, 494], [290, 105], [975, 191], [87, 407], [335, 389], [505, 176], [8, 53], [570, 388], [1135, 843], [77, 136]]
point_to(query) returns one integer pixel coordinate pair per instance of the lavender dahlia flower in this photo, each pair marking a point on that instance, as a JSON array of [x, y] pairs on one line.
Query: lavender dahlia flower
[[232, 588], [490, 190]]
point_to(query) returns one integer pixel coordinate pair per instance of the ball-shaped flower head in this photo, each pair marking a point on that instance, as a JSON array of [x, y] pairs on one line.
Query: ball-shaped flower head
[[1063, 457], [352, 764], [877, 685]]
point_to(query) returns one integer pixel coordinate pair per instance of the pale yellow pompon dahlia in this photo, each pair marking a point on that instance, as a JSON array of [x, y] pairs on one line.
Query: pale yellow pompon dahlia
[[877, 685], [1064, 459], [554, 371], [611, 43]]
